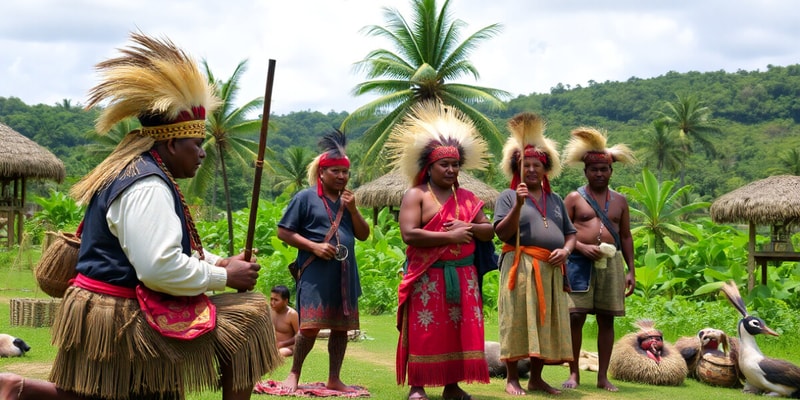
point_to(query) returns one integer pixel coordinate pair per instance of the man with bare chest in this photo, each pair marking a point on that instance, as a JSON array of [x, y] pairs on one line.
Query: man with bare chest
[[604, 248], [284, 319]]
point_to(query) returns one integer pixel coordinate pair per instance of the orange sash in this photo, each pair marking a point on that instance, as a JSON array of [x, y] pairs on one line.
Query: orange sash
[[538, 253]]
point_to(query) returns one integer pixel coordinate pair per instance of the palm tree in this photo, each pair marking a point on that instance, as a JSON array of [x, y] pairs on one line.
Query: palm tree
[[228, 139], [290, 169], [103, 145], [658, 209], [690, 118], [429, 57], [658, 147], [789, 163]]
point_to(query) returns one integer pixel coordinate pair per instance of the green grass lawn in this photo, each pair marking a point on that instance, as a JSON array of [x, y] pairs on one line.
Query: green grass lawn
[[369, 362]]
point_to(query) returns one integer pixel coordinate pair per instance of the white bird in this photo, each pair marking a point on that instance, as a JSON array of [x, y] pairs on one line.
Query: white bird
[[763, 374]]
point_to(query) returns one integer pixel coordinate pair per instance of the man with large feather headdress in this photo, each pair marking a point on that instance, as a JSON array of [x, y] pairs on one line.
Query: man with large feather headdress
[[322, 222], [136, 322], [597, 269], [538, 237], [440, 315]]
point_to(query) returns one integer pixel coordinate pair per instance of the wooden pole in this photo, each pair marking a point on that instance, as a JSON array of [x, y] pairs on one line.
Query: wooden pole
[[262, 144]]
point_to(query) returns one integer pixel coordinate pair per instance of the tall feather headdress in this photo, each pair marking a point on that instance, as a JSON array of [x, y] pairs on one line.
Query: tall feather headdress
[[333, 153], [156, 82], [588, 145], [527, 134], [433, 131]]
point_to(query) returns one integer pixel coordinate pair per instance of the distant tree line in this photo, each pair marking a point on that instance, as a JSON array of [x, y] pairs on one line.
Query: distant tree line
[[756, 112]]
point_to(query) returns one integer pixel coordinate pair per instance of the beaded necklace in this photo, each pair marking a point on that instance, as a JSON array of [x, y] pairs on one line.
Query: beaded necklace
[[194, 237], [605, 209], [543, 209], [455, 196]]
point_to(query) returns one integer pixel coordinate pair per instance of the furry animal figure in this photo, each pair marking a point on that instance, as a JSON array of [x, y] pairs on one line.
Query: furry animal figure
[[706, 362], [11, 346], [644, 357], [497, 368], [772, 376]]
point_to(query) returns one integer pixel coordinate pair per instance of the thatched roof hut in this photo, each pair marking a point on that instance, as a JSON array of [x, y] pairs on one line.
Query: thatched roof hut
[[21, 159], [764, 202], [775, 202], [388, 190]]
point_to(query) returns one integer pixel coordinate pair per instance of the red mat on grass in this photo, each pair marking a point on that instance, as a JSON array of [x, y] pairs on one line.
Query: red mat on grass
[[316, 389]]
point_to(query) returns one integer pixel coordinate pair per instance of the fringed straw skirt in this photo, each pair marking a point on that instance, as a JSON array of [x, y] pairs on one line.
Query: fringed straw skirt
[[108, 350]]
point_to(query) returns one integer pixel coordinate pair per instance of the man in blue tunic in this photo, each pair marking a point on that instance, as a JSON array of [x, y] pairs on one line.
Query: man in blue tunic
[[322, 222]]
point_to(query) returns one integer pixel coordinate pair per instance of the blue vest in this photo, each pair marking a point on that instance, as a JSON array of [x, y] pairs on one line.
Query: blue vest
[[101, 256]]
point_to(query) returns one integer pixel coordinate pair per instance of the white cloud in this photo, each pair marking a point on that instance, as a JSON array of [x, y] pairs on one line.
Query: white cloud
[[50, 46]]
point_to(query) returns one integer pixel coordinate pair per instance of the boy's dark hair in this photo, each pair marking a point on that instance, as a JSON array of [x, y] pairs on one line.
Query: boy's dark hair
[[283, 291]]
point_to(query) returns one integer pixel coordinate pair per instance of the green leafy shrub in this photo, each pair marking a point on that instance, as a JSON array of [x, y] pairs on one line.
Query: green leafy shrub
[[59, 212]]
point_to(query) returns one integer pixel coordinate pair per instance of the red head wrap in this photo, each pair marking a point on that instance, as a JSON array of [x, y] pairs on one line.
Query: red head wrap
[[532, 151], [437, 154], [325, 161], [593, 157]]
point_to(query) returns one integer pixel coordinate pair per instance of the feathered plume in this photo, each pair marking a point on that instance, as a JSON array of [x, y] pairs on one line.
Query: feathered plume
[[528, 129], [332, 145], [585, 140], [732, 293], [431, 124], [152, 78], [156, 82]]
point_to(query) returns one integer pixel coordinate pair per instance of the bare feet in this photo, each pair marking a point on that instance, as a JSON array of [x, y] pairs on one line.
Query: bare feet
[[417, 393], [607, 385], [513, 388], [542, 386], [291, 382], [572, 382], [452, 391], [10, 386], [338, 385]]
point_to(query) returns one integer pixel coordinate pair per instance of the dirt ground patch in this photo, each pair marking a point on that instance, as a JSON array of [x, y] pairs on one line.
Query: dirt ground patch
[[36, 370]]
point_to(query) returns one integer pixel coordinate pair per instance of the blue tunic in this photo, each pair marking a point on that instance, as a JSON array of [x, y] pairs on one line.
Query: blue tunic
[[320, 288]]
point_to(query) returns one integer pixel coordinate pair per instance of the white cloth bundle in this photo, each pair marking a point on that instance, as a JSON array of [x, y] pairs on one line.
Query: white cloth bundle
[[608, 250]]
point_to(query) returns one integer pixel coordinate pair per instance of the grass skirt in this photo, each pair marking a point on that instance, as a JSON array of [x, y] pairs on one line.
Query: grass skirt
[[108, 350]]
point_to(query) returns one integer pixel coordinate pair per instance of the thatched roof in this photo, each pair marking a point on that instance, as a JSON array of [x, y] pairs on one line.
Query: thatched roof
[[763, 202], [22, 157], [388, 190]]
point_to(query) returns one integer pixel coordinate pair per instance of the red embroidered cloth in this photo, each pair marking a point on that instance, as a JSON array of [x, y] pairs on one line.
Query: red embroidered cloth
[[441, 342], [316, 389]]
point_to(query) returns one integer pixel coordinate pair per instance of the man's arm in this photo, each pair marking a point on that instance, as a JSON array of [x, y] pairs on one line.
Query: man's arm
[[325, 251], [360, 225], [627, 248]]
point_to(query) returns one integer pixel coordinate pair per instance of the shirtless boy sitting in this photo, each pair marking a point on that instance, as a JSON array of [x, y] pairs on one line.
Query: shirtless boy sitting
[[284, 318]]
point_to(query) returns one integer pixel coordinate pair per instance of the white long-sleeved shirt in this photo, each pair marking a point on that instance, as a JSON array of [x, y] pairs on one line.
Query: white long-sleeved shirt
[[143, 219]]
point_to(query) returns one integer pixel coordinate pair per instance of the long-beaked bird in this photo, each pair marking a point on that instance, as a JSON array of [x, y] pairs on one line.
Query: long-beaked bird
[[763, 374]]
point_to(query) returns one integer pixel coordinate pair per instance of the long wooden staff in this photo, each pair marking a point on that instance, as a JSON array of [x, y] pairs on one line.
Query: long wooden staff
[[262, 144], [517, 249]]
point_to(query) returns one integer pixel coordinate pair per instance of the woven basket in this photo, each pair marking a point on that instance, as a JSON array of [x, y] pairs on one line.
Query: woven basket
[[57, 265], [717, 370]]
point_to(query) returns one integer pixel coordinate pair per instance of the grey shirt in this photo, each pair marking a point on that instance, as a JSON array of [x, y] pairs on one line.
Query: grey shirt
[[531, 226]]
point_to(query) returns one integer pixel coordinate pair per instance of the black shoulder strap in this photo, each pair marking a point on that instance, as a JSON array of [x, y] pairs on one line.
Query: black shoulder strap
[[602, 214]]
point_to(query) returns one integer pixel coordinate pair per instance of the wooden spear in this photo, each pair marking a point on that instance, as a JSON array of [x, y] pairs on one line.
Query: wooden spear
[[262, 144]]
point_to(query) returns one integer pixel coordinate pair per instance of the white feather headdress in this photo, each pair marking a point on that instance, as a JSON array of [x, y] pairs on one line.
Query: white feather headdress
[[586, 142], [156, 82], [431, 124], [527, 129]]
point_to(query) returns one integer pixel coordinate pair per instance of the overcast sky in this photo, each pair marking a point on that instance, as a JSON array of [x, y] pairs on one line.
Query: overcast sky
[[48, 48]]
